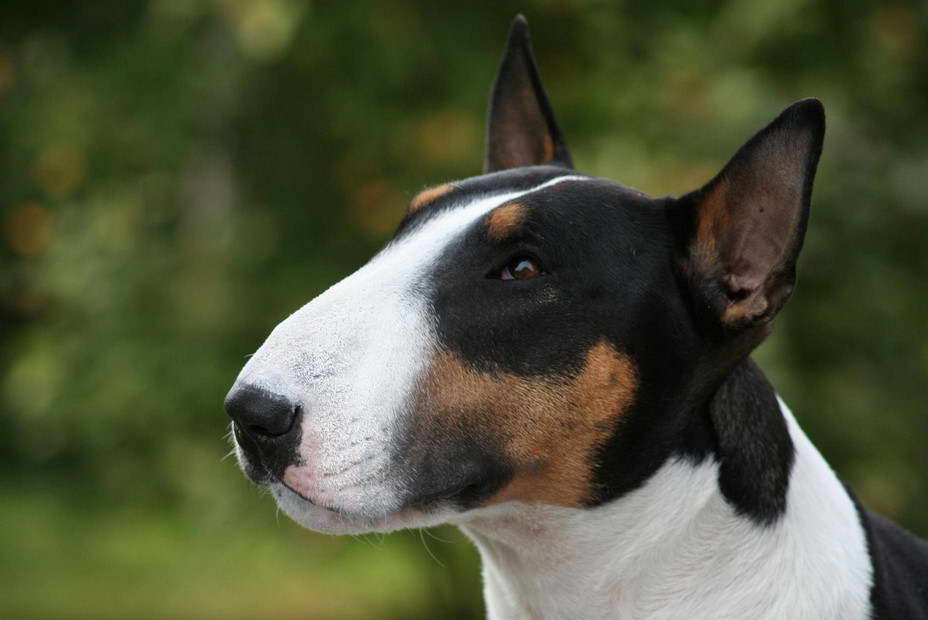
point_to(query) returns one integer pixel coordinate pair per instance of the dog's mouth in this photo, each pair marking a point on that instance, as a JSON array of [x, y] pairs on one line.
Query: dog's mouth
[[465, 483], [333, 509], [460, 494], [259, 473], [338, 520]]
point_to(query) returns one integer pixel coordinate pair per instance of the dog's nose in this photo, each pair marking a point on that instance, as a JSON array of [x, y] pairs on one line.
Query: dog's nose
[[259, 413]]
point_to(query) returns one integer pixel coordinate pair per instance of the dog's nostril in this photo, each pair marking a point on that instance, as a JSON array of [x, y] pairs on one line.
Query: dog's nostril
[[261, 414]]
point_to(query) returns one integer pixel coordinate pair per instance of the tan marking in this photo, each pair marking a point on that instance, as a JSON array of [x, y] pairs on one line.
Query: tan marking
[[746, 309], [548, 146], [548, 427], [503, 220], [429, 196], [713, 213]]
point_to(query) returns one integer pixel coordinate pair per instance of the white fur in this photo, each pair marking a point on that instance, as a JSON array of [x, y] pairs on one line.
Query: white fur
[[351, 358], [675, 549]]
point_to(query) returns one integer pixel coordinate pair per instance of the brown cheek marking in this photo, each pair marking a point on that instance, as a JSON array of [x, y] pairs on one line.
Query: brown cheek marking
[[429, 196], [548, 428], [503, 220]]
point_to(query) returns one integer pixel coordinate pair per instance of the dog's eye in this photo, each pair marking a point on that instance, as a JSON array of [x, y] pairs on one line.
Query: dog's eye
[[520, 268]]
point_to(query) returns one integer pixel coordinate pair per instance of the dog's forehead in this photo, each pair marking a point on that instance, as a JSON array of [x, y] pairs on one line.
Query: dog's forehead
[[434, 202], [439, 214]]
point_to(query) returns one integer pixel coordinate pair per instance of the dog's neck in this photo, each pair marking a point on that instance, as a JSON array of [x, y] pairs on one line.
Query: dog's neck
[[676, 548]]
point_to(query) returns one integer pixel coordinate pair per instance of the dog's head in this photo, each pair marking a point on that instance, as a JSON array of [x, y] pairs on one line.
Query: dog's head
[[529, 335]]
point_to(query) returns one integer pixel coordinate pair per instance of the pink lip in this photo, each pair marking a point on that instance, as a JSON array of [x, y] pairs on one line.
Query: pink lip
[[299, 481]]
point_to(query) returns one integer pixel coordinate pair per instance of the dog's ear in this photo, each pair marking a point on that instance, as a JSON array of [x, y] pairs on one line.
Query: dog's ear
[[521, 130], [741, 233]]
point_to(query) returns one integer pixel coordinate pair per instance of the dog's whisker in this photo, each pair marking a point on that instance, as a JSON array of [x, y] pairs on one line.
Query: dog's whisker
[[432, 535], [426, 545]]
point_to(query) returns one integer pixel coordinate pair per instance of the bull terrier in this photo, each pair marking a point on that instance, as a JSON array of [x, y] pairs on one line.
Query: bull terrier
[[559, 365]]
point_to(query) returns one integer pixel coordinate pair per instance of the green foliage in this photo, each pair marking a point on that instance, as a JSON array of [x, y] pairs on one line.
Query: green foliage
[[176, 176]]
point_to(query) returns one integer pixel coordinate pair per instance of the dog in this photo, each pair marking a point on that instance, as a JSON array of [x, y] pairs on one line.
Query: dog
[[559, 365]]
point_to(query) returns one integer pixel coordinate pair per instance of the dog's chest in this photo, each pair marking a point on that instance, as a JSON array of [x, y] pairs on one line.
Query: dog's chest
[[676, 548]]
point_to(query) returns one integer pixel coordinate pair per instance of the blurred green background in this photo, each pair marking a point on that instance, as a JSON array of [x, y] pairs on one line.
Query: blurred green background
[[176, 176]]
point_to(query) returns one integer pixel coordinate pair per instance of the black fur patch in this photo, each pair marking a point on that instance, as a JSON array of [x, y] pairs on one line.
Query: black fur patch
[[754, 448], [900, 567], [463, 472]]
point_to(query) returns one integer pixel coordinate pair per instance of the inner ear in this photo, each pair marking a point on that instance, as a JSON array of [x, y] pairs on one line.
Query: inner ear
[[750, 220], [521, 129]]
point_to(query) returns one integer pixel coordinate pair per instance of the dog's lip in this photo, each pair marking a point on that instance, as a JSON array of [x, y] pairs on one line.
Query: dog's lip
[[333, 509]]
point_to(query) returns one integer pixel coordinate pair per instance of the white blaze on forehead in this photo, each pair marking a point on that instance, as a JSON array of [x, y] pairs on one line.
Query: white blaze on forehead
[[351, 357]]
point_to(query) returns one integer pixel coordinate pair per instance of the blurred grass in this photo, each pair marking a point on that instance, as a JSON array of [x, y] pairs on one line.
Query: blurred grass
[[224, 559], [177, 176]]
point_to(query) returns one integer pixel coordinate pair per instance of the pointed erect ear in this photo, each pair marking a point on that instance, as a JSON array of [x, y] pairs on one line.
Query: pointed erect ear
[[744, 229], [521, 130]]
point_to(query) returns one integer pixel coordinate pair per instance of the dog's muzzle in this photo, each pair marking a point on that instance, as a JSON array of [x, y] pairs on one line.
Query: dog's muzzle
[[267, 430]]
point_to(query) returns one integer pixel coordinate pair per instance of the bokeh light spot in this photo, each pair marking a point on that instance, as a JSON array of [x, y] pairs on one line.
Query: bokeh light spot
[[448, 137], [6, 73], [265, 28], [376, 207], [28, 229], [59, 169]]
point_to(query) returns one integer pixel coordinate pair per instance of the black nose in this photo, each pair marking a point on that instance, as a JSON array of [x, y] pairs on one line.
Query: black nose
[[259, 413]]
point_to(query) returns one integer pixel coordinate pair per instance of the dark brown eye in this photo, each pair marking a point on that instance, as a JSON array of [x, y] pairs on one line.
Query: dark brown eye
[[521, 268]]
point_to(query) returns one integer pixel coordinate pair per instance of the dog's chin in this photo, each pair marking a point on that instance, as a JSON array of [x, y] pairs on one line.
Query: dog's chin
[[331, 520]]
